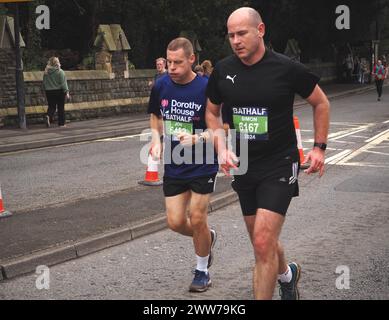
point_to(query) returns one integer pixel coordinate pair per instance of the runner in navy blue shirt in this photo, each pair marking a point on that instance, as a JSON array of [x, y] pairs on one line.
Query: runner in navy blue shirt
[[178, 101]]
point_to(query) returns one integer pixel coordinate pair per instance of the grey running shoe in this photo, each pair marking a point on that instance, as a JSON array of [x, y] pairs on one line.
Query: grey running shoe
[[201, 281], [289, 291], [213, 241]]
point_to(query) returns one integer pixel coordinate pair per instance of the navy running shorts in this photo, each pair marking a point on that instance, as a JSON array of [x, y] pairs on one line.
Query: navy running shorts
[[271, 185]]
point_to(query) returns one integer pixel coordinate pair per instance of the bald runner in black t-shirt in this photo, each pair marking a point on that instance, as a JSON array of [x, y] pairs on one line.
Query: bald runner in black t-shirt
[[256, 88]]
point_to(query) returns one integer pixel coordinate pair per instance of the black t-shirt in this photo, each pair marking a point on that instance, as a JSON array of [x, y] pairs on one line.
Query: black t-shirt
[[260, 100]]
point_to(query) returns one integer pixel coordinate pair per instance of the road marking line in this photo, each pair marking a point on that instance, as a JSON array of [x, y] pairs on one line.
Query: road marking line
[[346, 132], [346, 142], [377, 136], [386, 121], [337, 157], [377, 152], [349, 134], [334, 149], [371, 144], [348, 124], [123, 138], [363, 164]]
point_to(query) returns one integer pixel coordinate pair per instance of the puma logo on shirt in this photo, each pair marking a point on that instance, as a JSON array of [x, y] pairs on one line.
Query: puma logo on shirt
[[231, 78]]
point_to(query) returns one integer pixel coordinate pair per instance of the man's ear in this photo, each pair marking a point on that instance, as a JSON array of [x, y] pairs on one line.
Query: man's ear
[[261, 29], [192, 58]]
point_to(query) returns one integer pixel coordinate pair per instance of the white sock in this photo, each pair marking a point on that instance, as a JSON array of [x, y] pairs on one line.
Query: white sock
[[202, 263], [285, 277]]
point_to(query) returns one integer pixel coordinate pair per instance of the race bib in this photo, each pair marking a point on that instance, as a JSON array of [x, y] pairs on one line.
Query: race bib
[[252, 123], [173, 128]]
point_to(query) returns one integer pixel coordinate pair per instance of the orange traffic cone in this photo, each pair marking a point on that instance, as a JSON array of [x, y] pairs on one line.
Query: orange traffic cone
[[3, 213], [151, 176], [299, 142]]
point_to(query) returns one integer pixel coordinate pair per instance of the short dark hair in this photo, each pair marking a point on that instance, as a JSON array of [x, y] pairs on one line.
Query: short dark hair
[[181, 43]]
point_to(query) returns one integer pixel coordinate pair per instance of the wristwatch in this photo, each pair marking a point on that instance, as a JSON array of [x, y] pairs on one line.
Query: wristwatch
[[201, 138], [320, 145]]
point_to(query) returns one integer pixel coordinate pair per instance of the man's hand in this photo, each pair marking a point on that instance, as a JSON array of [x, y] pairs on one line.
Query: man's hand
[[227, 160], [187, 139], [316, 157], [156, 151]]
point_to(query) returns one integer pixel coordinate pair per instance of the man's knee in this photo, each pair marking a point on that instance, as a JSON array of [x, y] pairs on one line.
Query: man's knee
[[198, 219], [265, 246], [176, 224]]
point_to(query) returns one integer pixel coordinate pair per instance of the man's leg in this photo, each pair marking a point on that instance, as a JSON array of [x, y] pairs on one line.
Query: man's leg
[[201, 240], [264, 230], [250, 221], [176, 211], [199, 221]]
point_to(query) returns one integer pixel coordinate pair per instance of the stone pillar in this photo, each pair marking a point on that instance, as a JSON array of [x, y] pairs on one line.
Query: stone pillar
[[119, 64]]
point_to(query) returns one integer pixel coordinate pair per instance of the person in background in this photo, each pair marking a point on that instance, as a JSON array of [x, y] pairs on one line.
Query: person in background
[[56, 89], [207, 66], [380, 74], [199, 70], [362, 71], [160, 65]]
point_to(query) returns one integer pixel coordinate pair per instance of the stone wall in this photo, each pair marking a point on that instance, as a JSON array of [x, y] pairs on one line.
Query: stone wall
[[87, 86], [7, 78], [326, 71], [93, 93]]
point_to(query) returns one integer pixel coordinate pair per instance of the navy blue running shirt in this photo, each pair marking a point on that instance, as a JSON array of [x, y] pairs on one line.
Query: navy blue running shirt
[[183, 109]]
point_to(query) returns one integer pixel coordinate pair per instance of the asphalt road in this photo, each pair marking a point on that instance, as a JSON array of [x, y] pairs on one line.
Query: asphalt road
[[58, 175], [338, 229]]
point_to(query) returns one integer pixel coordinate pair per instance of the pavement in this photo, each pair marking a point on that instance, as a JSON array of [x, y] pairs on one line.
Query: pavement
[[54, 235]]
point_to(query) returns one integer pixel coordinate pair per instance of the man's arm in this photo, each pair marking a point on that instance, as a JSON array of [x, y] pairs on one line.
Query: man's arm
[[227, 158], [156, 126], [321, 118], [215, 124]]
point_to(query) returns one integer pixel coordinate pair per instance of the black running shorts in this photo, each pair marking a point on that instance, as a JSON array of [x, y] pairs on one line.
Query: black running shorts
[[270, 186], [200, 185]]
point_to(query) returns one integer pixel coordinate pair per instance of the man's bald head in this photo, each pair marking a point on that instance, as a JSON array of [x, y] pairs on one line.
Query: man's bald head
[[252, 15], [245, 33]]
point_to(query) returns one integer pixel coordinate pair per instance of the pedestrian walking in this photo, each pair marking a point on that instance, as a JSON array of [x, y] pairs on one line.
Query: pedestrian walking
[[160, 65], [380, 74], [56, 89], [258, 85], [362, 71], [178, 100]]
